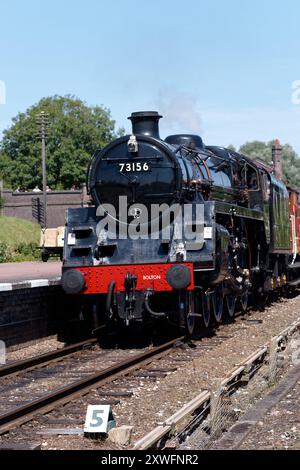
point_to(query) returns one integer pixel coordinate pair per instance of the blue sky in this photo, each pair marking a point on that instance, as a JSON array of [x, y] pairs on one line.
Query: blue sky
[[222, 69]]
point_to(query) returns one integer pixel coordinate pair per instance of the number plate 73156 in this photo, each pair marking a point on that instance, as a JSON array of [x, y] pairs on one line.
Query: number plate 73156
[[133, 166]]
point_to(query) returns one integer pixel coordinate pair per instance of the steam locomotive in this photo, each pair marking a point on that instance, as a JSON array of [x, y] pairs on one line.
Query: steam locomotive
[[224, 228]]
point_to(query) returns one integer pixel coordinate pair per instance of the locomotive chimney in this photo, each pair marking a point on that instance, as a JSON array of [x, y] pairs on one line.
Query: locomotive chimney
[[276, 158], [145, 123]]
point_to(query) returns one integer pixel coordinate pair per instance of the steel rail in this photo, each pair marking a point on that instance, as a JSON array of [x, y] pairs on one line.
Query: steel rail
[[203, 400], [48, 402], [44, 359]]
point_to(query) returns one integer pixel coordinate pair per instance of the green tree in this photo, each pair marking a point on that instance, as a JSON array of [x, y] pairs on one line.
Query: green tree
[[290, 159], [75, 132], [231, 147]]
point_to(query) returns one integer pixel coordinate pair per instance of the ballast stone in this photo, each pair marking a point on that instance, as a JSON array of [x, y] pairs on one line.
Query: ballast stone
[[121, 435]]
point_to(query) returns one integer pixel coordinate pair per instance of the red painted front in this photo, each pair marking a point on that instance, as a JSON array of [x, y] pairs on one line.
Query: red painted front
[[153, 276]]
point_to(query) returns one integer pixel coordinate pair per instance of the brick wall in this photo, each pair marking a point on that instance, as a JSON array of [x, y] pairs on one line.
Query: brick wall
[[29, 314], [29, 205]]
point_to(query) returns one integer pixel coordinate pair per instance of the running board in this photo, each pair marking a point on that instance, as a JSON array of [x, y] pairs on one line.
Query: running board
[[294, 265], [294, 283]]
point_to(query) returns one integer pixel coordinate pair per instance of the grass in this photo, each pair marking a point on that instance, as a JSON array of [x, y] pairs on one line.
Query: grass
[[19, 240]]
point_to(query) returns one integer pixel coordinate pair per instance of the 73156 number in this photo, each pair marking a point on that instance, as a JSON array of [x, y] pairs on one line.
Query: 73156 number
[[133, 166]]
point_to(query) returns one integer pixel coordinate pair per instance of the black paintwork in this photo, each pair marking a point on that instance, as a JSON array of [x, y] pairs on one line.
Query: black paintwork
[[189, 140], [238, 198], [145, 123]]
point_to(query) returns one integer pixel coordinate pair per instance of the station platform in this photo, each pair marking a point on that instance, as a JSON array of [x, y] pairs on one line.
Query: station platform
[[32, 303], [29, 274]]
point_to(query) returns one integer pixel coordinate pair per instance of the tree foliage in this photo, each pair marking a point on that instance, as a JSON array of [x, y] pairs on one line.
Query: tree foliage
[[231, 147], [75, 132], [290, 159]]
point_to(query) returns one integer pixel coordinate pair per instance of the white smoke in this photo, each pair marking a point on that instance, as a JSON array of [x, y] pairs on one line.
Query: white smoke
[[180, 111]]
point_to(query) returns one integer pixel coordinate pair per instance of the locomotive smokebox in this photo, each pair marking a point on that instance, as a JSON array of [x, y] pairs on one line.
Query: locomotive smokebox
[[145, 123]]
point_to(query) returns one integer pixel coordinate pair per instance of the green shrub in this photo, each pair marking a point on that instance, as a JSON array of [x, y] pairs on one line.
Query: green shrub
[[23, 252], [26, 252], [5, 253]]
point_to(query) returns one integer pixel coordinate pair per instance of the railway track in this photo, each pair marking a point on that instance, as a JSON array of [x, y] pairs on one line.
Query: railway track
[[74, 390], [62, 396], [24, 413], [208, 403], [44, 359], [66, 405], [57, 355]]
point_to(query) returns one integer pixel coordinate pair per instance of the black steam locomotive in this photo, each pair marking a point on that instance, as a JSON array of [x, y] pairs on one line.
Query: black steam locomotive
[[177, 230]]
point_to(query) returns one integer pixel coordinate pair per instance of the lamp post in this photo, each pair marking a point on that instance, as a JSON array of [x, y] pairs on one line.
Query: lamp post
[[43, 123]]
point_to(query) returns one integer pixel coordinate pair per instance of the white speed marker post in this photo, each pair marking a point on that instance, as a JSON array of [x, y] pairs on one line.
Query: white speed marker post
[[99, 420]]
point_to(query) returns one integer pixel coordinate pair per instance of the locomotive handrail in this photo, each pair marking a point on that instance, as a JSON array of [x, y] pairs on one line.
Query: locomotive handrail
[[88, 173]]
